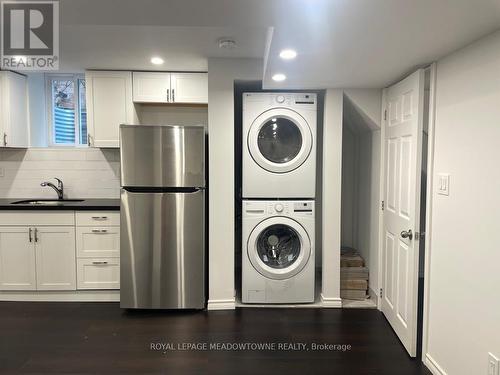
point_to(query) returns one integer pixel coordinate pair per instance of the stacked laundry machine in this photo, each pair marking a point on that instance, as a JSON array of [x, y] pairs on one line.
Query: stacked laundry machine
[[278, 188]]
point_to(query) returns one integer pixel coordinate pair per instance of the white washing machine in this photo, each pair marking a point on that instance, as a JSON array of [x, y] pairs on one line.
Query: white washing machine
[[278, 252], [279, 145]]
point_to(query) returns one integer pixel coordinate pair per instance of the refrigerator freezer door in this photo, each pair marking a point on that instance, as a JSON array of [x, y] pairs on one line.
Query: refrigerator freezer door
[[162, 250], [162, 156]]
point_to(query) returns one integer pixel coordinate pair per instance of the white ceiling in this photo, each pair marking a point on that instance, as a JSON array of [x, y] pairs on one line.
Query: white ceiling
[[341, 43]]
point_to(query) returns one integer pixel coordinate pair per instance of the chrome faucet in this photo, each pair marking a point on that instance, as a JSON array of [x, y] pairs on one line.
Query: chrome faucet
[[59, 188]]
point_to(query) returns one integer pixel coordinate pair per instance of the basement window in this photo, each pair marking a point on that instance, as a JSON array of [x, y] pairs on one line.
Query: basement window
[[67, 110]]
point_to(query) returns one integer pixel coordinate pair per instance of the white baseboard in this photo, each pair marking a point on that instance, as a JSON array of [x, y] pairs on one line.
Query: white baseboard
[[373, 296], [330, 302], [221, 304], [433, 366], [63, 296]]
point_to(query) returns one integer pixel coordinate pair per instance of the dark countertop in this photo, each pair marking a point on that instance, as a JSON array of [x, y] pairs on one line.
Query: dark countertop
[[86, 205]]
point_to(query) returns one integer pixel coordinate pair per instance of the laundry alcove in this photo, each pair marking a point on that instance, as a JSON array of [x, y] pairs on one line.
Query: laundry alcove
[[360, 202]]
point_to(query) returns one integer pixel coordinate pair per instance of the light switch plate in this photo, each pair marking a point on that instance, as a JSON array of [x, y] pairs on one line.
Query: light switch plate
[[2, 172], [493, 365], [443, 184]]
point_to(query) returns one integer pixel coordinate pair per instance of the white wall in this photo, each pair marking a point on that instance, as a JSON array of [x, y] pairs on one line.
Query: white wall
[[332, 186], [87, 173], [221, 76], [464, 298], [349, 185]]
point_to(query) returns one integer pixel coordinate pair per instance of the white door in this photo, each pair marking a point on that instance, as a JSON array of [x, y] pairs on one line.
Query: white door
[[151, 87], [189, 88], [55, 258], [109, 104], [17, 259], [403, 130]]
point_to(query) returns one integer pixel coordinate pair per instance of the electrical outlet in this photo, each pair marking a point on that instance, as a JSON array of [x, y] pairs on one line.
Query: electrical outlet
[[493, 365], [443, 184]]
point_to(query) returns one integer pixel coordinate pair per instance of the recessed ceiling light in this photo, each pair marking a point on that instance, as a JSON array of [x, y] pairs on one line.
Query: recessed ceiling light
[[288, 54], [157, 60], [279, 77]]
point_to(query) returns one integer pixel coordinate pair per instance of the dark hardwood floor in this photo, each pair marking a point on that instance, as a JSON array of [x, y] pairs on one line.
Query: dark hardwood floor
[[100, 338]]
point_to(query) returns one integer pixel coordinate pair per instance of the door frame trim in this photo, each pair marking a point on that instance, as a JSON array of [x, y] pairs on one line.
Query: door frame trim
[[429, 202]]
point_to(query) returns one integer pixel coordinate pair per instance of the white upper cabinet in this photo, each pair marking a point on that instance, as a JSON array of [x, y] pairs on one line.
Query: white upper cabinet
[[151, 87], [109, 104], [189, 88], [161, 87], [14, 126]]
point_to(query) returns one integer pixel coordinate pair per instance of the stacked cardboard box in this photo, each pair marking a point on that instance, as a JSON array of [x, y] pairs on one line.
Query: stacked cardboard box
[[353, 275]]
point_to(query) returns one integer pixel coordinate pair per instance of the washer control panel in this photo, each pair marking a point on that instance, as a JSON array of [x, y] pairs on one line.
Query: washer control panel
[[279, 208], [285, 208]]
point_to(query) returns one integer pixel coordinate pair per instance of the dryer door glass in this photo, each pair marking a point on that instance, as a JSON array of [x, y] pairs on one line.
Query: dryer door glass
[[279, 140], [278, 246]]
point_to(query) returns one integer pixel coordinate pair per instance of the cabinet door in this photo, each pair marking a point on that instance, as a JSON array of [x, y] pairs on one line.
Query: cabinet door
[[109, 104], [94, 242], [17, 259], [14, 102], [99, 273], [149, 87], [55, 258], [189, 88]]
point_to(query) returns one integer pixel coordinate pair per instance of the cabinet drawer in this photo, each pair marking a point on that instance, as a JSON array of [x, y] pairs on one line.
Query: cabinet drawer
[[35, 218], [98, 273], [97, 241], [100, 218]]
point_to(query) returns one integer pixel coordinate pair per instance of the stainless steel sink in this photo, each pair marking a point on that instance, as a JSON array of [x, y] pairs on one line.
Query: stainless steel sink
[[47, 202]]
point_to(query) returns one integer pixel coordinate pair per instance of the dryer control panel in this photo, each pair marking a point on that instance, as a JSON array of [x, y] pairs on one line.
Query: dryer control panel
[[295, 100]]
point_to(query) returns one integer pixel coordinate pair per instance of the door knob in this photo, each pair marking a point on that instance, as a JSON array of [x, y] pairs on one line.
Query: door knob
[[407, 234]]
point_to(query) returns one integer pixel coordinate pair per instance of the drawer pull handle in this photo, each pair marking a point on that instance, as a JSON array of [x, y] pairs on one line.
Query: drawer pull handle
[[99, 217], [99, 231], [99, 262]]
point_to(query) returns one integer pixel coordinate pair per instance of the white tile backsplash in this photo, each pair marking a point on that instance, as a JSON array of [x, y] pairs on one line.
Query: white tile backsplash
[[86, 173]]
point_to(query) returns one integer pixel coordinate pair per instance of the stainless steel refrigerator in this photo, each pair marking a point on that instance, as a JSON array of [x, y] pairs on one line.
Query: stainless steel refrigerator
[[162, 240]]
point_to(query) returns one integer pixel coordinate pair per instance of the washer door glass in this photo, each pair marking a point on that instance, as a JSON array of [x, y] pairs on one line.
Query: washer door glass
[[278, 246], [279, 140]]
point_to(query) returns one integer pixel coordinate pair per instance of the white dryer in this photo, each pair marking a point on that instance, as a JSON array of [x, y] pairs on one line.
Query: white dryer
[[279, 145], [278, 252]]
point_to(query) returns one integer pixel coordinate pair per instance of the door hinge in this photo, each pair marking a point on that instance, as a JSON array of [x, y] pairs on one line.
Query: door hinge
[[380, 293], [382, 205], [385, 114]]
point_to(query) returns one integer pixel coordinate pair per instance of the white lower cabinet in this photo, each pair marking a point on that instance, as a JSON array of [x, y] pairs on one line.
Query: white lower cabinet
[[97, 242], [17, 259], [59, 251], [55, 258], [98, 273], [98, 250]]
